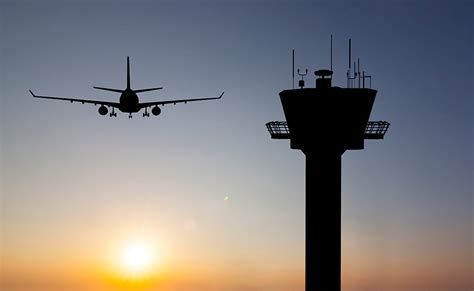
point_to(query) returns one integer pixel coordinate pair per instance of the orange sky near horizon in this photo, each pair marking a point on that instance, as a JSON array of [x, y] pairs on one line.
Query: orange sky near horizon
[[91, 264]]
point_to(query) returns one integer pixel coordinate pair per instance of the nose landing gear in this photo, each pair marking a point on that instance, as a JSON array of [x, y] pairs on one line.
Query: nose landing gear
[[129, 115]]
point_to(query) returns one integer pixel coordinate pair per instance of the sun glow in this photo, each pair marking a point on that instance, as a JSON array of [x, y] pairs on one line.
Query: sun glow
[[137, 258]]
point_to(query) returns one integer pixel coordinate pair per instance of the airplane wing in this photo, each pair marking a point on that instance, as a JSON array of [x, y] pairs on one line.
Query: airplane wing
[[95, 102], [155, 103]]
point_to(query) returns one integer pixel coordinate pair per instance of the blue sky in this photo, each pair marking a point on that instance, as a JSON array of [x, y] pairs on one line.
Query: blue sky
[[407, 200]]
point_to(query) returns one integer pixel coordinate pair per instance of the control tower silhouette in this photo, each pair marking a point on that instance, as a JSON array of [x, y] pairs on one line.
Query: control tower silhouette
[[323, 122]]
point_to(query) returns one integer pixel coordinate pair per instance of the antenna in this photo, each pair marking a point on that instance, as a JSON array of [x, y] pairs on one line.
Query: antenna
[[293, 69], [331, 52], [358, 70], [355, 74], [351, 78], [348, 74], [350, 53]]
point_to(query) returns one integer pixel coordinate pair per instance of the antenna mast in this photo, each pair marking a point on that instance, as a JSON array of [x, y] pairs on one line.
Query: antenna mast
[[349, 70], [293, 69], [351, 78], [358, 70], [331, 52], [350, 51]]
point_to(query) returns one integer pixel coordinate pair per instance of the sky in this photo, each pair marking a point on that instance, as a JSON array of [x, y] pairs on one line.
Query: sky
[[220, 203]]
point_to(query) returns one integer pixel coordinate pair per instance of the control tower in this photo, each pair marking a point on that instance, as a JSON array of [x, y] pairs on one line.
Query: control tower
[[323, 122]]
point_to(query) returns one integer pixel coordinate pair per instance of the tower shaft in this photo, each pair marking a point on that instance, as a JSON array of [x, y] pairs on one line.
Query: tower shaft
[[323, 221]]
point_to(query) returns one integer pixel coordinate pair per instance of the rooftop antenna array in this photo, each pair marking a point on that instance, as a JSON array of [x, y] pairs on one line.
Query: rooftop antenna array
[[355, 74], [364, 76]]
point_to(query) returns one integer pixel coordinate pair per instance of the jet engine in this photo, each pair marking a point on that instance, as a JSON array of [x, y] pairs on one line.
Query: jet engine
[[156, 110], [103, 110]]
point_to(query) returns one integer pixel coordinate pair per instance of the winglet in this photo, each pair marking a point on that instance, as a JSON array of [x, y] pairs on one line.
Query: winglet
[[32, 94], [221, 95]]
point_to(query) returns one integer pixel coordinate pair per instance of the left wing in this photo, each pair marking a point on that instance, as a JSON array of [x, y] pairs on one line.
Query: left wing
[[155, 103], [95, 102]]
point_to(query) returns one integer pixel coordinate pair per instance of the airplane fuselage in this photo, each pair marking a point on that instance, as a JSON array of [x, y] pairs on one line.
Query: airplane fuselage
[[129, 101]]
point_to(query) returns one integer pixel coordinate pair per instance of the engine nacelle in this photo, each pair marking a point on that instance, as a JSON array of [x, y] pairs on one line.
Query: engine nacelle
[[103, 110], [156, 110]]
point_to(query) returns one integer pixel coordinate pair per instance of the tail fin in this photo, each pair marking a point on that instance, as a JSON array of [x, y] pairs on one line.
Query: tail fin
[[128, 72]]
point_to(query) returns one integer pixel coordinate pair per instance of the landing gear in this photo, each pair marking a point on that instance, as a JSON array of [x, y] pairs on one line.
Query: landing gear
[[146, 114], [129, 115], [113, 114]]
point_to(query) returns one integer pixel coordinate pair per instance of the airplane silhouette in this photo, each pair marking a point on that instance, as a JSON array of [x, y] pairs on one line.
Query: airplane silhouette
[[128, 102]]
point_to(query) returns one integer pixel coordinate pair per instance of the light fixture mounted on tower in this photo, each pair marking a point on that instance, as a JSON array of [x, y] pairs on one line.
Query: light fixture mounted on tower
[[302, 75]]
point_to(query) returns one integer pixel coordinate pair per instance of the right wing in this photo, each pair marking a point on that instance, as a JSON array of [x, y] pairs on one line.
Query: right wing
[[155, 103], [95, 102]]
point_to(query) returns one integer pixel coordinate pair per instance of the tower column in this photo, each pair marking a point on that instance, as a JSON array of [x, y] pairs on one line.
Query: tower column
[[323, 220]]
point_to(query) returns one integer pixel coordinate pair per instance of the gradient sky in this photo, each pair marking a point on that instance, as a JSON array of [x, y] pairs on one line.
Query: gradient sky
[[75, 184]]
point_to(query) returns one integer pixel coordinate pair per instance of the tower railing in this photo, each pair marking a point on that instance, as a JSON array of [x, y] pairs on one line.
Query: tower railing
[[373, 129], [376, 129], [278, 129]]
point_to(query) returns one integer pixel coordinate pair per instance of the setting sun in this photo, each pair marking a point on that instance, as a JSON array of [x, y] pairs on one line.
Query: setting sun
[[137, 258]]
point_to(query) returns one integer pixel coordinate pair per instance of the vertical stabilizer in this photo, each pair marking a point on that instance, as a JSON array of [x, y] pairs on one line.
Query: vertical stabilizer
[[128, 72]]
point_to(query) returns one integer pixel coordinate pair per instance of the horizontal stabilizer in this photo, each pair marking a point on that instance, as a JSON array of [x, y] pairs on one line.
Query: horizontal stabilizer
[[146, 90], [109, 89]]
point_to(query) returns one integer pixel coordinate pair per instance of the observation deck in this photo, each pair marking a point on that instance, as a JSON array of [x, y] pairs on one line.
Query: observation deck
[[373, 129]]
